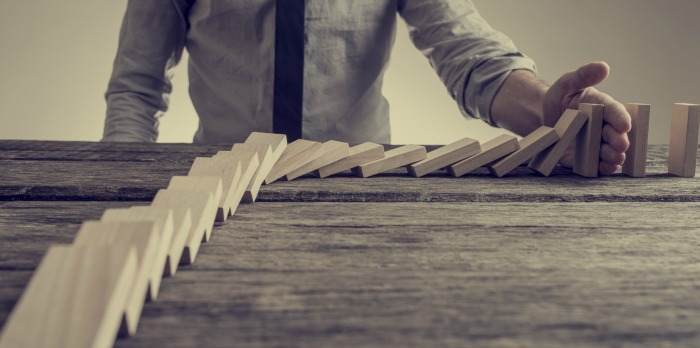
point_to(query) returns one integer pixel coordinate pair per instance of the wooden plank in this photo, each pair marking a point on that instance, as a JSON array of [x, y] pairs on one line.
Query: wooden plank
[[278, 142], [196, 208], [567, 128], [683, 146], [249, 166], [296, 155], [491, 151], [636, 155], [587, 157], [333, 151], [393, 159], [445, 156], [530, 146], [230, 173], [358, 155], [213, 187], [266, 159], [163, 220], [76, 298], [143, 236], [190, 149]]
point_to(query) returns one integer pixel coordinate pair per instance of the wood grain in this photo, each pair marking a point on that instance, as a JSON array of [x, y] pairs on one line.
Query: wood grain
[[445, 156], [682, 157], [636, 155], [76, 298]]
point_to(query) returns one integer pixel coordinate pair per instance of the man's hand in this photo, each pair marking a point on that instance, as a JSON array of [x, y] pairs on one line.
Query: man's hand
[[577, 87]]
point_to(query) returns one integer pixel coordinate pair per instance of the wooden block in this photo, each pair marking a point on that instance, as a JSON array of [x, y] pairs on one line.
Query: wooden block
[[530, 146], [295, 156], [163, 219], [587, 157], [491, 151], [143, 236], [683, 147], [75, 298], [636, 155], [567, 128], [249, 165], [267, 160], [333, 151], [398, 157], [445, 156], [358, 155], [278, 143], [230, 174], [207, 212], [192, 204]]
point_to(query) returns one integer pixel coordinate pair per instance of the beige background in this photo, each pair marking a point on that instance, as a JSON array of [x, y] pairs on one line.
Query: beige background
[[56, 59]]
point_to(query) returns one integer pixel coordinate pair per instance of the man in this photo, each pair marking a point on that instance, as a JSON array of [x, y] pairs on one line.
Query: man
[[314, 69]]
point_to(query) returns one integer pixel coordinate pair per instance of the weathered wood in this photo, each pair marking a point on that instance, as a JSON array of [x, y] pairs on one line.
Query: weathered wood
[[87, 146], [418, 274]]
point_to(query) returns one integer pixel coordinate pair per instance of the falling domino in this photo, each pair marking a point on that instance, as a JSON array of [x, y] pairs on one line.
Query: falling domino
[[230, 174], [249, 165], [445, 156], [530, 146], [567, 128], [144, 237], [278, 143], [267, 160], [296, 155], [683, 147], [587, 156], [332, 151], [491, 151], [358, 155], [213, 188], [75, 298], [398, 157], [636, 155]]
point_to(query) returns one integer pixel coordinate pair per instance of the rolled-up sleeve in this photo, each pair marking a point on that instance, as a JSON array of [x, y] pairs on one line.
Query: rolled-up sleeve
[[471, 58], [151, 42]]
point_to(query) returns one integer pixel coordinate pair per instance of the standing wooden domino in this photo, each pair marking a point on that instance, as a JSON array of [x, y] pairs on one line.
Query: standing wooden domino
[[530, 145], [332, 151], [294, 157], [636, 155], [587, 157], [267, 160], [683, 147], [249, 165], [163, 219], [206, 211], [567, 128], [76, 298], [358, 155], [230, 174], [491, 151], [445, 156], [398, 157], [143, 236]]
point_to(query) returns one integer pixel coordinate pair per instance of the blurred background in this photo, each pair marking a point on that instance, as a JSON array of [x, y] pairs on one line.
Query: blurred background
[[56, 58]]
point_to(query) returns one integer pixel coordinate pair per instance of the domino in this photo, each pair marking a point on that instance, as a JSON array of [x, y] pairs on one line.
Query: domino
[[398, 157], [230, 173], [75, 298], [683, 147], [357, 156], [249, 165], [277, 142], [636, 155], [213, 189], [491, 151], [143, 236], [333, 151], [530, 145], [296, 155], [267, 160], [587, 156], [567, 128], [445, 156], [163, 219]]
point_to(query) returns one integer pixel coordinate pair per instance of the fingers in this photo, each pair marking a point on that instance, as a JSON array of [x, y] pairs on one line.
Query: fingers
[[618, 141], [610, 155], [606, 168], [616, 114], [586, 76]]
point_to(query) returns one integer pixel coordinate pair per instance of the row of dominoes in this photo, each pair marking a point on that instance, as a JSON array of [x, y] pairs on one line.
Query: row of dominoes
[[87, 293]]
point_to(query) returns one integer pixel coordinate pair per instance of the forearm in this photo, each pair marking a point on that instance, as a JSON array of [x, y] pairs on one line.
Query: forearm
[[517, 106]]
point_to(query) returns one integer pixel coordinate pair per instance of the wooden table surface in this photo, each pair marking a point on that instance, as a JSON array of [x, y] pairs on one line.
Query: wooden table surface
[[522, 261]]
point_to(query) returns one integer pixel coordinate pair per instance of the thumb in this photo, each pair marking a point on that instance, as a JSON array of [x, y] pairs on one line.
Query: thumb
[[586, 76]]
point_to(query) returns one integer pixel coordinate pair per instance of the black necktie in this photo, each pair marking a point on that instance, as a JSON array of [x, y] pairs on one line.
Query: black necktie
[[289, 68]]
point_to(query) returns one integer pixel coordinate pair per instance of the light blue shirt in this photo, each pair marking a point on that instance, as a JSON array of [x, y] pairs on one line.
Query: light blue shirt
[[348, 43]]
